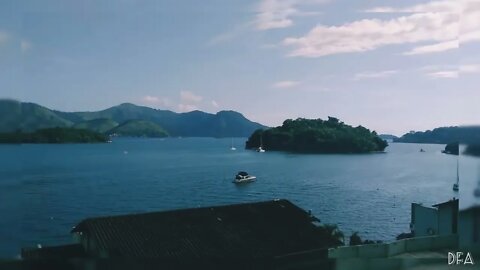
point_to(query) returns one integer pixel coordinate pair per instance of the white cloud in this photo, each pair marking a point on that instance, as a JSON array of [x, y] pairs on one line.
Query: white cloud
[[187, 107], [470, 22], [285, 84], [189, 101], [190, 98], [446, 74], [433, 6], [272, 14], [441, 24], [370, 34], [215, 104], [156, 101], [374, 75], [435, 48]]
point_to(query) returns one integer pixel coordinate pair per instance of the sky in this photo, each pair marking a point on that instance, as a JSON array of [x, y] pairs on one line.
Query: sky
[[391, 66]]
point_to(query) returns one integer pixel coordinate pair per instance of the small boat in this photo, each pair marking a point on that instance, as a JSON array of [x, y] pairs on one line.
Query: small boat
[[244, 177], [233, 147], [260, 148], [422, 151]]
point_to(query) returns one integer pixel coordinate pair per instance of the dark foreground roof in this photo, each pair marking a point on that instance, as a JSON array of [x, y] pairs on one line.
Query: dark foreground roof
[[253, 230]]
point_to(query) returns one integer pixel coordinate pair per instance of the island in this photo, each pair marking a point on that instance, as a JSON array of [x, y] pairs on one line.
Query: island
[[317, 136], [443, 135], [452, 149], [54, 135]]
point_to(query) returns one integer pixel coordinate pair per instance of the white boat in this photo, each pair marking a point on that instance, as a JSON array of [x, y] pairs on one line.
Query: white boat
[[456, 186], [232, 147], [243, 177], [260, 148]]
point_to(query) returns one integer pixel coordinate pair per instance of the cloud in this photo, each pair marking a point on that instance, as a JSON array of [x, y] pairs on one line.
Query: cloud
[[433, 6], [285, 84], [272, 14], [450, 71], [446, 74], [435, 48], [190, 98], [215, 104], [470, 22], [156, 101], [375, 75], [187, 107], [370, 34], [189, 101]]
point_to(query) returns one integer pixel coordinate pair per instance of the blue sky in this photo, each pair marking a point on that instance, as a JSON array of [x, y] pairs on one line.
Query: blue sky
[[392, 66]]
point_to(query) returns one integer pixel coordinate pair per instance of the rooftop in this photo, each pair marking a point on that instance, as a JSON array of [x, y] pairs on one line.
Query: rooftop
[[252, 230]]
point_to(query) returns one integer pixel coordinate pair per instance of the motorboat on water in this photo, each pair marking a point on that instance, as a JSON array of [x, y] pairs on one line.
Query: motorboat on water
[[260, 150], [244, 177]]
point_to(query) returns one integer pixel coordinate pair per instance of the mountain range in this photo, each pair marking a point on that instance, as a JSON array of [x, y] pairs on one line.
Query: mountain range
[[127, 119]]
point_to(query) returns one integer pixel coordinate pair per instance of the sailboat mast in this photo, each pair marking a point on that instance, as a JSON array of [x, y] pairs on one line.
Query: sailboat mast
[[458, 173]]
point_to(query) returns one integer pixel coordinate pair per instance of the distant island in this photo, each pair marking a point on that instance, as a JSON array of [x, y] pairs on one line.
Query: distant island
[[53, 135], [126, 120], [388, 137], [317, 136], [443, 135]]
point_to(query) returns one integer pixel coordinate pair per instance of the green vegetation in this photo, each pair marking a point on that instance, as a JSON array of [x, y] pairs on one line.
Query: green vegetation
[[356, 240], [387, 137], [139, 128], [452, 149], [472, 150], [101, 125], [443, 135], [30, 117], [27, 117], [317, 136], [54, 135]]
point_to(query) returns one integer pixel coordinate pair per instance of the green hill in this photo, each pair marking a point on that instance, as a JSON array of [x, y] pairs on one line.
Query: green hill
[[27, 117], [317, 136], [54, 135], [139, 128], [101, 125], [443, 135], [30, 117]]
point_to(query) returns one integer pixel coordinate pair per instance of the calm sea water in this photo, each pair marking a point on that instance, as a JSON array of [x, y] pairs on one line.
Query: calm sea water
[[46, 189]]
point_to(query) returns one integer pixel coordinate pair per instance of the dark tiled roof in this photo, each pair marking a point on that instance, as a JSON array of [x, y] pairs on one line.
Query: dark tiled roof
[[55, 252], [254, 230]]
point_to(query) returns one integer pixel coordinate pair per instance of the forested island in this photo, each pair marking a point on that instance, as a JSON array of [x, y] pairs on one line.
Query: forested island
[[317, 136], [54, 135], [443, 135]]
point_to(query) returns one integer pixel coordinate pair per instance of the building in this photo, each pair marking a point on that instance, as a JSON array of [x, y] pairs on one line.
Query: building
[[441, 219], [262, 233]]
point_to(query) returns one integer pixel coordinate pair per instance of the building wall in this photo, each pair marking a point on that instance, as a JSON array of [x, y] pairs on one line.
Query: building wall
[[445, 219], [416, 244], [425, 220], [469, 228]]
